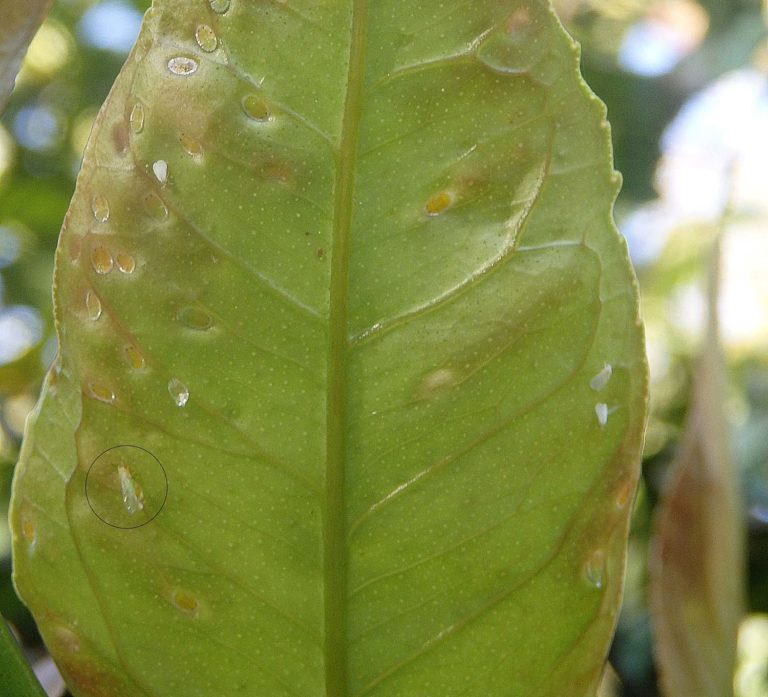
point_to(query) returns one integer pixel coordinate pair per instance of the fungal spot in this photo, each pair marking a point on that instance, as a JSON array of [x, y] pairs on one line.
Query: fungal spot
[[137, 118], [100, 208], [320, 253], [195, 318], [256, 108], [436, 381], [178, 390], [191, 146], [439, 203], [160, 170], [601, 411], [623, 494], [186, 602], [155, 206], [594, 569], [219, 6], [133, 357], [182, 65], [206, 38], [519, 20], [101, 260], [28, 530], [92, 305], [133, 496], [600, 380], [67, 640], [74, 247], [102, 393], [125, 263]]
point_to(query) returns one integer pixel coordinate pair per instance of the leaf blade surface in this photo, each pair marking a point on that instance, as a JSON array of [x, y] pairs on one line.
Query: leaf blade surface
[[350, 300]]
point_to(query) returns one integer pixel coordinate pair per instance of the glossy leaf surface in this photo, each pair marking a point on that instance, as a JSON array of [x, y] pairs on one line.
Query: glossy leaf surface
[[18, 23], [351, 385]]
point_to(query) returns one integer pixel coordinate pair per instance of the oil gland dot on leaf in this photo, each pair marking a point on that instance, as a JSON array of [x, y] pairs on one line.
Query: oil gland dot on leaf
[[439, 203], [160, 170], [182, 65], [100, 208], [101, 392], [137, 118], [256, 108], [594, 569], [195, 318], [178, 390], [206, 38], [133, 357], [92, 305], [125, 263], [219, 6], [101, 260]]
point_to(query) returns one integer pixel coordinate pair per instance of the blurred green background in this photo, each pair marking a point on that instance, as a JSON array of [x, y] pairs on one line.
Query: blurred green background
[[686, 85]]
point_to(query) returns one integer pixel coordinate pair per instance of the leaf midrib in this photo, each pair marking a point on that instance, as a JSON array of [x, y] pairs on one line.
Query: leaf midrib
[[334, 522]]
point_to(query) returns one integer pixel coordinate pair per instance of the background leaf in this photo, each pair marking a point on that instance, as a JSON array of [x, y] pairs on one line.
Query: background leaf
[[350, 365], [16, 676], [697, 558], [20, 21]]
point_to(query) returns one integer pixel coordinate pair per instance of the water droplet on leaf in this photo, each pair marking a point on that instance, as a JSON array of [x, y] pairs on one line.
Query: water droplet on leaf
[[137, 118], [195, 318], [125, 263], [594, 569], [100, 208], [219, 6], [134, 357], [101, 260], [256, 108], [102, 393], [182, 65], [178, 390], [191, 146], [93, 305], [155, 206], [206, 38]]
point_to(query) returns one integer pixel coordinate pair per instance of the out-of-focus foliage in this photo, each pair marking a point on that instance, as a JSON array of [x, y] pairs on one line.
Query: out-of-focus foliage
[[20, 21], [697, 550], [647, 60]]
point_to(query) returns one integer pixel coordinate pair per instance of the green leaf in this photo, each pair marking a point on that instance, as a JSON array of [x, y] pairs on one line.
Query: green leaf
[[336, 298], [697, 561], [20, 21], [16, 676]]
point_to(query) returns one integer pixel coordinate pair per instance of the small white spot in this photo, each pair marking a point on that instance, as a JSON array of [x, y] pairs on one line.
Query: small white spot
[[129, 487], [160, 169], [178, 390], [601, 379], [601, 411], [181, 65]]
